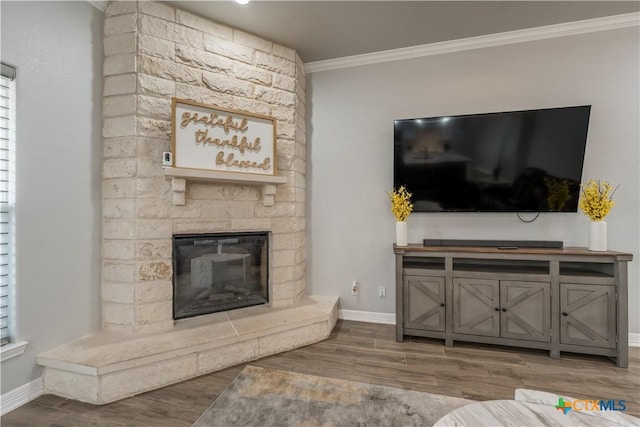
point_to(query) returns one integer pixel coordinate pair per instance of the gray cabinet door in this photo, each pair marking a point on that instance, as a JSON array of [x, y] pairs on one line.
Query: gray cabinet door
[[525, 310], [476, 305], [424, 302], [587, 315]]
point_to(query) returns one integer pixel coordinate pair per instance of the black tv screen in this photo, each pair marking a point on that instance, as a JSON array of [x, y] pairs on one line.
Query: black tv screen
[[519, 161]]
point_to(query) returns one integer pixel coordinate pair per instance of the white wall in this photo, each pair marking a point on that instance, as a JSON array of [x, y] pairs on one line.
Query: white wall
[[350, 154], [57, 48]]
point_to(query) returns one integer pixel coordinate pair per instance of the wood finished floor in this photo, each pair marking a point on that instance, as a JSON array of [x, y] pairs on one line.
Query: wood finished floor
[[366, 353]]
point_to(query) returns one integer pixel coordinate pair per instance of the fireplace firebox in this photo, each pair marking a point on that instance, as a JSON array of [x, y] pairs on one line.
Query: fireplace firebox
[[219, 272]]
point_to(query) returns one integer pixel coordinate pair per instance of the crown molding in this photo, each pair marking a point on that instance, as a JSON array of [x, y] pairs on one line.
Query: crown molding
[[510, 37], [101, 5]]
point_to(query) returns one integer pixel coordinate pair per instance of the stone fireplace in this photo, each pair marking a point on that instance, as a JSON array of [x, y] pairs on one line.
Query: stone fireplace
[[154, 52], [219, 272]]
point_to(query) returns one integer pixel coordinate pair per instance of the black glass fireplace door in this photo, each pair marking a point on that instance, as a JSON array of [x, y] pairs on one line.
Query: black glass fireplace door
[[219, 272]]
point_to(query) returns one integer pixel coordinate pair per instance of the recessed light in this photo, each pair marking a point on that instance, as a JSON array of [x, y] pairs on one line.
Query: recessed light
[[242, 1]]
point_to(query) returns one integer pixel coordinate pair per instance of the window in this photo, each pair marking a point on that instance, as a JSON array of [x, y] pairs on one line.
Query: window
[[7, 198]]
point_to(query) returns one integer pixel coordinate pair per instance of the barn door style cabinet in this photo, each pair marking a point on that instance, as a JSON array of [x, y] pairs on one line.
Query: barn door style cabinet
[[502, 308], [561, 300]]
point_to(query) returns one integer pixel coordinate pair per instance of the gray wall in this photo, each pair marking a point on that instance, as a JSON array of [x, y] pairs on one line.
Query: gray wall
[[350, 125], [57, 47]]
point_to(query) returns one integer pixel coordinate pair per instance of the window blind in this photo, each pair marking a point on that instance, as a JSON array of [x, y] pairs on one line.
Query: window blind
[[7, 200]]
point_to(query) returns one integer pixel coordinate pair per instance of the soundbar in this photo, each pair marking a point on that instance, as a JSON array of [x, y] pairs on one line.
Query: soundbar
[[507, 244]]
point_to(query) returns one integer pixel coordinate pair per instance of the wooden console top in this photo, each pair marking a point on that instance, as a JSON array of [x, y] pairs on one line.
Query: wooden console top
[[579, 251]]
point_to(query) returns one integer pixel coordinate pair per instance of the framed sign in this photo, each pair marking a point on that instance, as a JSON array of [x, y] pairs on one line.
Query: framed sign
[[211, 138]]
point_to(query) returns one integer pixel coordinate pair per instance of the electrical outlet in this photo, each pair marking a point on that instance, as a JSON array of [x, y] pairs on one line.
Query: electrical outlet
[[167, 159], [354, 288], [382, 291]]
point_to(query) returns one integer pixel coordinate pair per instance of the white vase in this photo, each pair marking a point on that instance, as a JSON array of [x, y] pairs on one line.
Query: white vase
[[597, 236], [401, 233]]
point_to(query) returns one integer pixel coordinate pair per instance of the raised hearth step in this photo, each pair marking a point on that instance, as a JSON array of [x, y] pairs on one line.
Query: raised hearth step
[[107, 366]]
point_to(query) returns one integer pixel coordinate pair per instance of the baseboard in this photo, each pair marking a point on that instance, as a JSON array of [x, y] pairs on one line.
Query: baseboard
[[368, 316], [21, 395], [390, 319]]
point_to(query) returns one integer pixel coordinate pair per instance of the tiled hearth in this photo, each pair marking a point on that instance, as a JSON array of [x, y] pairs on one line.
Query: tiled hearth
[[154, 52]]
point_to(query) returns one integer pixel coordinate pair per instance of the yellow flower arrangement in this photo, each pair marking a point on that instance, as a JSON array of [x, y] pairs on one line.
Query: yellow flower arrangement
[[597, 199], [401, 205]]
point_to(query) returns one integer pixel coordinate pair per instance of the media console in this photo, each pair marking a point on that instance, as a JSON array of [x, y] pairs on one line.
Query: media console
[[556, 299]]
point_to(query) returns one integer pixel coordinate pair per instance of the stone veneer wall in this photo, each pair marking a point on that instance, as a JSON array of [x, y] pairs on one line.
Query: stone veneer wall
[[153, 52]]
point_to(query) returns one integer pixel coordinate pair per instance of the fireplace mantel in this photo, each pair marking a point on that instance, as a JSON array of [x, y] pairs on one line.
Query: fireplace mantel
[[180, 176]]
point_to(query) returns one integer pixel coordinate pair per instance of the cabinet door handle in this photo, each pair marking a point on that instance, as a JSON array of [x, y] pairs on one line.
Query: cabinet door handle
[[497, 309], [441, 304], [565, 314], [504, 309]]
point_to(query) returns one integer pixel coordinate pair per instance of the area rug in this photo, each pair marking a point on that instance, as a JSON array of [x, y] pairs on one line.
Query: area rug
[[268, 397]]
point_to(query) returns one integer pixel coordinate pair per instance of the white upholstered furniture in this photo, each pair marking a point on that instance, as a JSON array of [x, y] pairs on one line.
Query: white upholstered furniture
[[533, 408]]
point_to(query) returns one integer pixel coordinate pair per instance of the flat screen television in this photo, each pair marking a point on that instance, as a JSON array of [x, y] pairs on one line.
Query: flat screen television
[[518, 161]]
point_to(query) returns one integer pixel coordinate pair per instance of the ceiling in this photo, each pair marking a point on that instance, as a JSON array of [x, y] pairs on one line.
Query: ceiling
[[321, 30]]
